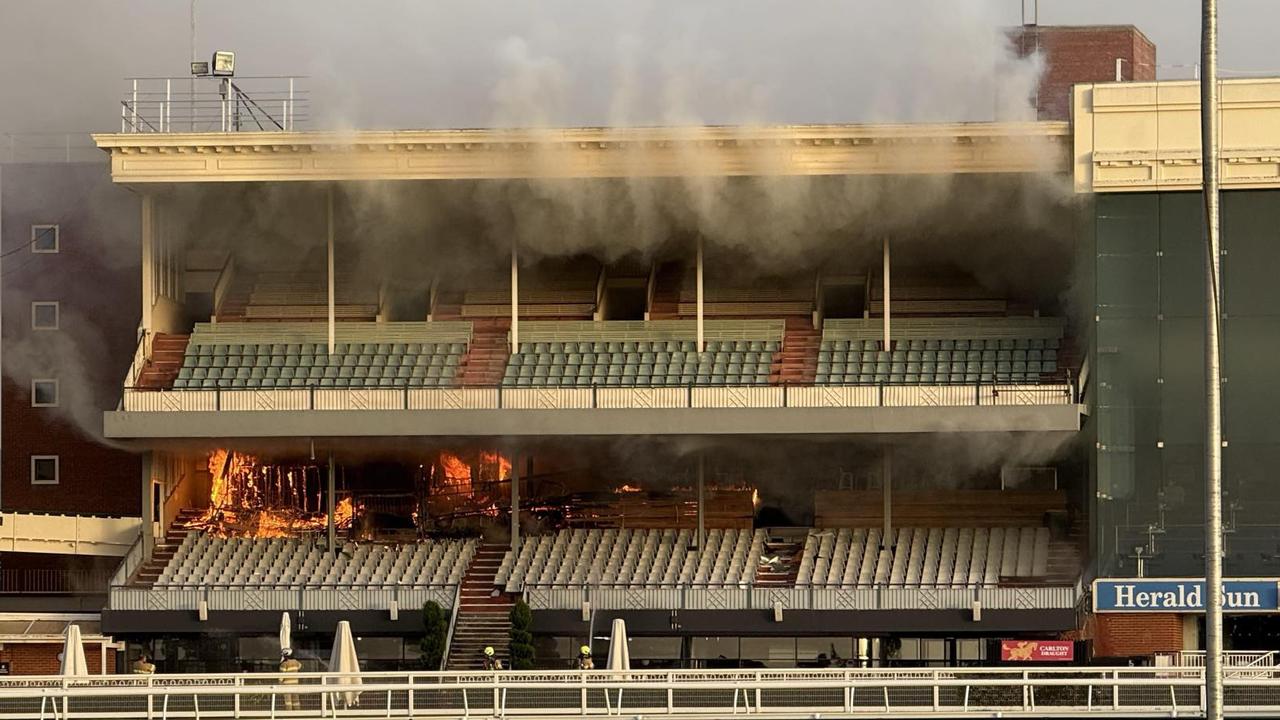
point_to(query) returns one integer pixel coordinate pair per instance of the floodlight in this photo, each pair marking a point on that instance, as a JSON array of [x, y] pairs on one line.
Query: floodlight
[[200, 69], [224, 63]]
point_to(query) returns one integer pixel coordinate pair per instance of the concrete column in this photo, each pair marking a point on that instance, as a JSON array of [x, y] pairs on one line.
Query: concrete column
[[330, 507], [148, 513], [886, 346], [886, 485], [515, 503], [702, 513], [329, 224], [148, 258], [515, 298], [702, 345]]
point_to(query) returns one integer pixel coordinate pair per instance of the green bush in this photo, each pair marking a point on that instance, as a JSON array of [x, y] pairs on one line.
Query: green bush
[[521, 639], [436, 630]]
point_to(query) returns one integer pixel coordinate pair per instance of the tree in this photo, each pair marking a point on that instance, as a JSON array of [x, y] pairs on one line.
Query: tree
[[521, 637], [435, 628]]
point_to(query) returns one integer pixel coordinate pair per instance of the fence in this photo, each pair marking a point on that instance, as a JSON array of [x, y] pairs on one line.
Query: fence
[[213, 104], [598, 397], [52, 581], [988, 692], [658, 596], [281, 597]]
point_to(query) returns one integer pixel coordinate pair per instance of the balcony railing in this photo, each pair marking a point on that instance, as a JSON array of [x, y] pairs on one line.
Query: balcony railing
[[312, 596], [48, 581], [745, 596], [599, 397], [213, 104]]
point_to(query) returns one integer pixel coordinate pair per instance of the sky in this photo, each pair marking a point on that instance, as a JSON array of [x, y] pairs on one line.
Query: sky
[[476, 63]]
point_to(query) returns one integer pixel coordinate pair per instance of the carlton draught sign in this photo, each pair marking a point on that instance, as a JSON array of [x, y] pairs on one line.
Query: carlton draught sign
[[1037, 650], [1149, 595]]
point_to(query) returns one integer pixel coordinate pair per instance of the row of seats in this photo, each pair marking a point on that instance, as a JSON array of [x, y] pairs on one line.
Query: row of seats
[[725, 362], [322, 349], [946, 344], [202, 559], [867, 357], [923, 557], [323, 377], [633, 558], [644, 346]]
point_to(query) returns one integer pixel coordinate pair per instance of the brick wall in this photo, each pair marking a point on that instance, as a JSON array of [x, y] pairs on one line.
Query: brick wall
[[42, 658], [1083, 54], [96, 278], [1125, 635]]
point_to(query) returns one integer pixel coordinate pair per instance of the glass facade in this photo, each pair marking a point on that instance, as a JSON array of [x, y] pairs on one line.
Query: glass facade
[[1148, 387]]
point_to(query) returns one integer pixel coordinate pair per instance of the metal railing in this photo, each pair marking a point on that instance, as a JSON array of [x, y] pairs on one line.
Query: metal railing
[[52, 581], [282, 596], [589, 397], [748, 596], [985, 692], [213, 104], [49, 147]]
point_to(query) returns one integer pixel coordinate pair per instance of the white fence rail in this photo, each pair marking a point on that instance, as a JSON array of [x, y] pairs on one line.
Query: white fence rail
[[328, 597], [746, 597], [991, 692], [582, 398]]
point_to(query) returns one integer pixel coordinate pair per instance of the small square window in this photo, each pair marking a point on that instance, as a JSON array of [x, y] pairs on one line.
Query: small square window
[[44, 238], [44, 316], [44, 469], [44, 393]]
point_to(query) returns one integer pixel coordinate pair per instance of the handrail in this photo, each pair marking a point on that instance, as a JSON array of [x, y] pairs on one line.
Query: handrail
[[453, 622], [129, 563], [141, 352], [223, 284]]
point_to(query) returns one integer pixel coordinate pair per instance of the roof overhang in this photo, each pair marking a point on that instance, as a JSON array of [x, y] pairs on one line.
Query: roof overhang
[[791, 150]]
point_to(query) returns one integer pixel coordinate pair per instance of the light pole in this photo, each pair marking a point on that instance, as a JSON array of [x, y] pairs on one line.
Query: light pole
[[1212, 367]]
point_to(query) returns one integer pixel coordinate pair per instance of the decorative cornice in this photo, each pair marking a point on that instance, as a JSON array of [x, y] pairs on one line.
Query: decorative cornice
[[589, 152]]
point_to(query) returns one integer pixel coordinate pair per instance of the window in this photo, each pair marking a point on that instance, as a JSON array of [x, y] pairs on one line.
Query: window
[[44, 238], [44, 393], [44, 316], [44, 469]]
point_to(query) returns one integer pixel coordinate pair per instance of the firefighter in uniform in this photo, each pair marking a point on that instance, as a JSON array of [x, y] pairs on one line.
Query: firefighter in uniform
[[143, 665], [289, 664], [584, 659]]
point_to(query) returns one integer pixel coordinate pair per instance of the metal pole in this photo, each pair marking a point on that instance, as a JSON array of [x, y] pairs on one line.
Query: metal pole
[[330, 507], [1213, 382], [332, 317], [515, 503], [515, 298], [702, 516], [886, 347], [192, 98], [701, 337]]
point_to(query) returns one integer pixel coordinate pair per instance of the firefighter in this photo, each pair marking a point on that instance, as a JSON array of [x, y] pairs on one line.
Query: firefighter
[[143, 665], [289, 667], [490, 660], [584, 659]]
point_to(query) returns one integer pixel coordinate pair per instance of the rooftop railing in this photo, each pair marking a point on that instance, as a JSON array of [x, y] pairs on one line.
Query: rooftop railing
[[213, 104]]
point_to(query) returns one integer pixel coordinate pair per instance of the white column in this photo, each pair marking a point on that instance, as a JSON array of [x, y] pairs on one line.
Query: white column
[[515, 503], [329, 223], [330, 507], [886, 486], [701, 338], [702, 516], [886, 346], [515, 298], [148, 258]]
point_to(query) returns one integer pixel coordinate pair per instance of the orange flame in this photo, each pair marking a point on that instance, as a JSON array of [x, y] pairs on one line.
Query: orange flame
[[236, 504]]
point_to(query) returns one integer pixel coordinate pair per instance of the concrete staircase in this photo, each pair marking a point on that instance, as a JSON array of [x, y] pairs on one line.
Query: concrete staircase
[[787, 548], [486, 358], [161, 369], [236, 300], [484, 617], [797, 364], [164, 551]]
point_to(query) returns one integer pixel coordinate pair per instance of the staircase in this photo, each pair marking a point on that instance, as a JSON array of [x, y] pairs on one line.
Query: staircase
[[483, 617], [797, 364], [788, 549], [161, 369], [163, 552], [236, 300], [1066, 556], [486, 358], [666, 293]]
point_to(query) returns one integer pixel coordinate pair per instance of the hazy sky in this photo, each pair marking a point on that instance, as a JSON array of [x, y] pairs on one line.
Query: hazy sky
[[459, 63]]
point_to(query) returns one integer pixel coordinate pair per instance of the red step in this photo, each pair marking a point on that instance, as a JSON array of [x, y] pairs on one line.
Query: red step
[[161, 368]]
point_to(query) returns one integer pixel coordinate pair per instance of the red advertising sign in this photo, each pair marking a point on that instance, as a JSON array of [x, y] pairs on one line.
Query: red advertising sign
[[1037, 650]]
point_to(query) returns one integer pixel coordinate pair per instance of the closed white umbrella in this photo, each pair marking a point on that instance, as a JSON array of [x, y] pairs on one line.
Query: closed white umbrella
[[286, 633], [73, 662], [343, 660], [619, 655]]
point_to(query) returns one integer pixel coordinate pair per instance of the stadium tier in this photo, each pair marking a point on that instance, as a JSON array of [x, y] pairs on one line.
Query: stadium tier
[[204, 560]]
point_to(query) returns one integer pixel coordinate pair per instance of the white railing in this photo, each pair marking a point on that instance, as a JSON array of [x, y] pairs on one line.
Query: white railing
[[987, 692], [283, 597], [658, 596], [213, 104], [68, 534], [597, 397]]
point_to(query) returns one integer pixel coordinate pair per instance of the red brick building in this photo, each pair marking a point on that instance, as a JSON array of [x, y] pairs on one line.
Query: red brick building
[[1078, 54]]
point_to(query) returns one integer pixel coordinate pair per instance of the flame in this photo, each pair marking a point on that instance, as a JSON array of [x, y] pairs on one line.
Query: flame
[[621, 489], [495, 459], [249, 499], [456, 472]]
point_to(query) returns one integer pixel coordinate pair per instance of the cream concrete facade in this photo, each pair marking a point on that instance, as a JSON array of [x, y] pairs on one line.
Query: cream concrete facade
[[1132, 137], [589, 152], [67, 534]]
